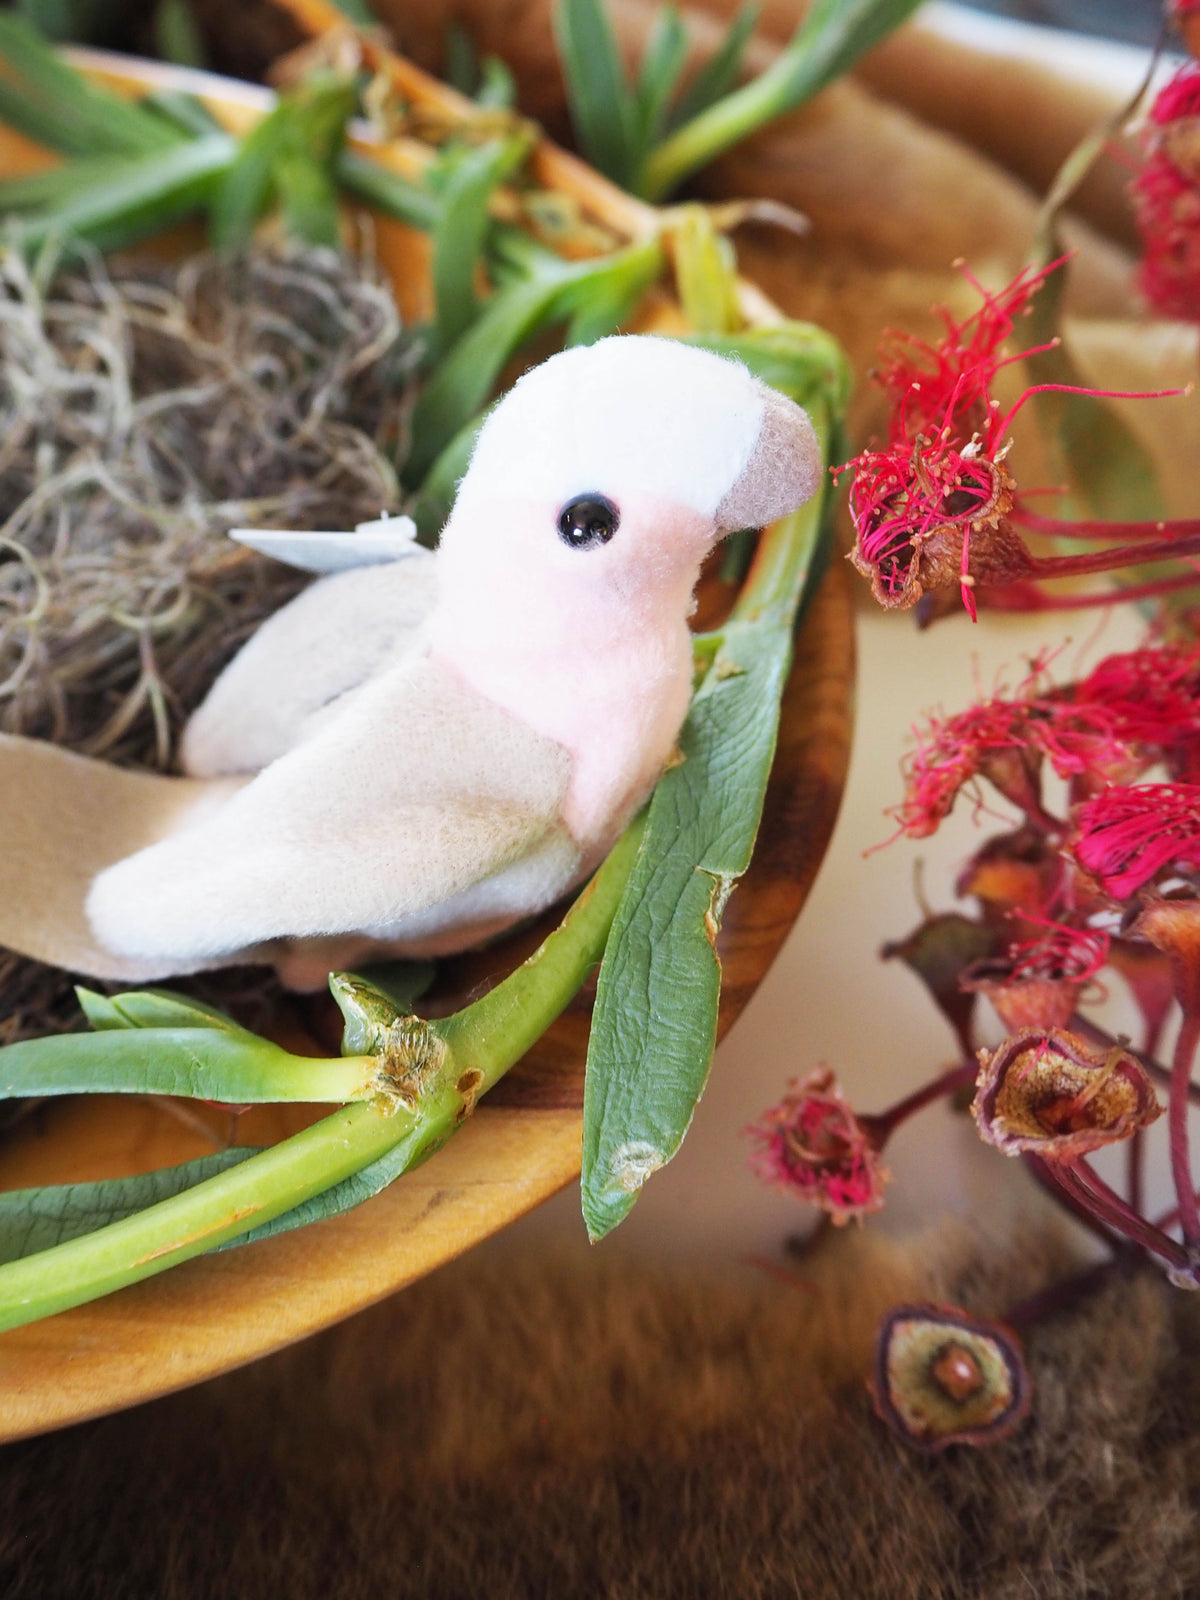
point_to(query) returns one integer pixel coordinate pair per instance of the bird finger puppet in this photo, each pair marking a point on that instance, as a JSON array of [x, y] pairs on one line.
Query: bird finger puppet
[[418, 752]]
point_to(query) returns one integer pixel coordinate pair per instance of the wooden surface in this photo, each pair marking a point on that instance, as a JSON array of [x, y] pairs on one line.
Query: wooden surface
[[521, 1146]]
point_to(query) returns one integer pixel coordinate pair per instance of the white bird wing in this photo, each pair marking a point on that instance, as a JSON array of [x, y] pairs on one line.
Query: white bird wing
[[371, 543], [327, 641], [417, 791]]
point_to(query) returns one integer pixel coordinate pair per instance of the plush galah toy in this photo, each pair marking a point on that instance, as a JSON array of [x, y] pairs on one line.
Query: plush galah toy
[[413, 755]]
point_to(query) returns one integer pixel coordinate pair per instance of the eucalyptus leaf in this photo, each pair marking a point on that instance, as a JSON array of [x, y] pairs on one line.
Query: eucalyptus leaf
[[655, 1017], [32, 1220]]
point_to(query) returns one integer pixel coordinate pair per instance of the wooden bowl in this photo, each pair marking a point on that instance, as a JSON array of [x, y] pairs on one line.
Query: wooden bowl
[[523, 1143]]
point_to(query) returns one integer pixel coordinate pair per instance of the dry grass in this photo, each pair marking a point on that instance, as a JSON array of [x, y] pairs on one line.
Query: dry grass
[[145, 410]]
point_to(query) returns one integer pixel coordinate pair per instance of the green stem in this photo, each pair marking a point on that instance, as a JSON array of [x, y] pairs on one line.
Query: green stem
[[497, 1030], [831, 38], [200, 1063], [469, 1052]]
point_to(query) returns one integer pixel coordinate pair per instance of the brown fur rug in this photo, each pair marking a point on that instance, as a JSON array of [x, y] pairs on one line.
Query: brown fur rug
[[521, 1429]]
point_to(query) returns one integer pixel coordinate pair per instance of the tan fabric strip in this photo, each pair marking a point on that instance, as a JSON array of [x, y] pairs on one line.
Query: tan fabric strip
[[63, 819]]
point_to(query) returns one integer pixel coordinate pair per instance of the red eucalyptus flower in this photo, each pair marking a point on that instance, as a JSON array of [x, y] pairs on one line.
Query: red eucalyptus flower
[[1150, 700], [937, 505], [1167, 193], [936, 385], [1005, 741], [1126, 836], [1037, 983], [813, 1145]]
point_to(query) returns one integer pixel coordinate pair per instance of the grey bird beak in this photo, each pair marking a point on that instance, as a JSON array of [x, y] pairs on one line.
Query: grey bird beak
[[784, 469]]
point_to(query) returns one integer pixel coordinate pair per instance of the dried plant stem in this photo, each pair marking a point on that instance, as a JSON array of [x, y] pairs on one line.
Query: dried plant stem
[[885, 1123], [1177, 1118]]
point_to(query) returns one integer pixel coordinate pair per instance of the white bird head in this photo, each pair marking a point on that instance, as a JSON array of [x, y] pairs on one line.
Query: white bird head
[[610, 470]]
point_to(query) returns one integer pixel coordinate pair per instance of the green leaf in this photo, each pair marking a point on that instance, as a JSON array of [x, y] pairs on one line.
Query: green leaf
[[720, 72], [403, 982], [308, 201], [357, 11], [555, 290], [827, 43], [176, 34], [292, 154], [50, 102], [140, 197], [462, 60], [152, 1008], [355, 1190], [73, 21], [435, 499], [655, 1018], [465, 377], [387, 191], [32, 1220], [705, 272], [604, 310], [461, 229], [666, 51], [497, 86], [187, 112], [604, 112]]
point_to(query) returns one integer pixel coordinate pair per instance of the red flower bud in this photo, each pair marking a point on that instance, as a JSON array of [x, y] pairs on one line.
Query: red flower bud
[[813, 1145]]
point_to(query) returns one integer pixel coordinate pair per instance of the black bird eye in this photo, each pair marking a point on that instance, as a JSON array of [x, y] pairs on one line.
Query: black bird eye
[[587, 522]]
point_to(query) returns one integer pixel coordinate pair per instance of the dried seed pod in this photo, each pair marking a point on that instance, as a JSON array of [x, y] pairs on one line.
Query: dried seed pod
[[1044, 1090], [943, 1377]]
